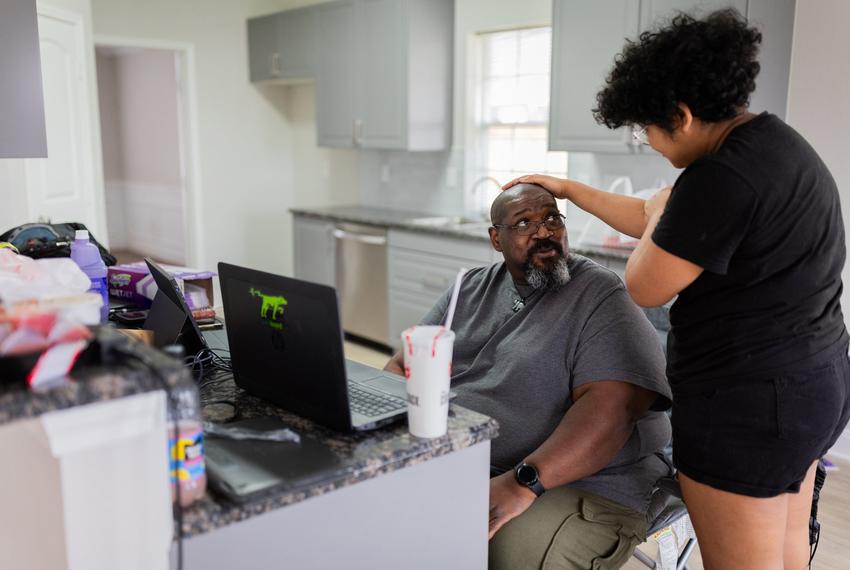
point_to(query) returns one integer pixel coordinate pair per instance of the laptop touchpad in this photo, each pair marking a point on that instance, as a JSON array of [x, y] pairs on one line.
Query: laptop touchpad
[[389, 384]]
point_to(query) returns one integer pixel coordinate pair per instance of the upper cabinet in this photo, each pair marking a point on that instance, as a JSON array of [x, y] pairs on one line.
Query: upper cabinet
[[588, 34], [282, 46], [22, 127], [335, 94], [385, 74]]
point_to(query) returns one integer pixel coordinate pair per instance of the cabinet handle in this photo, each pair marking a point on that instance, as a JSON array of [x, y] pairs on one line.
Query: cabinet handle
[[358, 131], [274, 64], [362, 238]]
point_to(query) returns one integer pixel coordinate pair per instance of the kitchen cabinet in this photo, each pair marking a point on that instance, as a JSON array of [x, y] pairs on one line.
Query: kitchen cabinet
[[587, 35], [421, 268], [314, 255], [336, 73], [384, 74], [282, 46], [22, 126]]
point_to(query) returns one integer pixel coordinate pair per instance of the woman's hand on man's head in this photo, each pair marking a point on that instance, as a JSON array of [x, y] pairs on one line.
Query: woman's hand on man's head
[[558, 187]]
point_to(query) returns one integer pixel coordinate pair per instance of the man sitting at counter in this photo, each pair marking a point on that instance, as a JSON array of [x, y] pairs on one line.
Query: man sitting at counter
[[550, 345]]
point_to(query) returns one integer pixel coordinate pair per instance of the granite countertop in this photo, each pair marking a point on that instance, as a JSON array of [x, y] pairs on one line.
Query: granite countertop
[[95, 382], [406, 220], [362, 455]]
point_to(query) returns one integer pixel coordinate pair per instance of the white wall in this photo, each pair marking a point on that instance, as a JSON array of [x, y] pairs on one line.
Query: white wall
[[817, 104], [249, 137]]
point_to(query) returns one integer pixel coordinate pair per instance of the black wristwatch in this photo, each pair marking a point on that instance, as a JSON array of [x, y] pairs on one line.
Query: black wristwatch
[[526, 475]]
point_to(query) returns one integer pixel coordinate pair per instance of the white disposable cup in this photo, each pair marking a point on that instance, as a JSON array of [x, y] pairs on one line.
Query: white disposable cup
[[427, 367]]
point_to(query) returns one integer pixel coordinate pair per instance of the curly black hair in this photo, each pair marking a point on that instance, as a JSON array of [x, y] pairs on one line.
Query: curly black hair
[[708, 64]]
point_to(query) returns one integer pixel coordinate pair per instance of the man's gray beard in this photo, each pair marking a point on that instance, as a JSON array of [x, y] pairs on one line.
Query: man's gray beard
[[549, 279]]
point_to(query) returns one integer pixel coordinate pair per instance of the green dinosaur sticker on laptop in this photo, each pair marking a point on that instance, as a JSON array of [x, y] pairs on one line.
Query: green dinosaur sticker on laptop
[[271, 310]]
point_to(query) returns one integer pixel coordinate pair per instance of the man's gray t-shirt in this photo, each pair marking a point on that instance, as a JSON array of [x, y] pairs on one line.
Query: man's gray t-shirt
[[521, 367]]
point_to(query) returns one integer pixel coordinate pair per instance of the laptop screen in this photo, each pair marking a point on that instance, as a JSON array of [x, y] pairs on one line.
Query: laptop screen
[[286, 342]]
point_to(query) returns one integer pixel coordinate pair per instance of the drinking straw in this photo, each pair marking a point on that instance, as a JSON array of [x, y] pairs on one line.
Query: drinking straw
[[455, 293]]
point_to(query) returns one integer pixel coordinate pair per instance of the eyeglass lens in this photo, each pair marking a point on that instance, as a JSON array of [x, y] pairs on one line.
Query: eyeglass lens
[[552, 223]]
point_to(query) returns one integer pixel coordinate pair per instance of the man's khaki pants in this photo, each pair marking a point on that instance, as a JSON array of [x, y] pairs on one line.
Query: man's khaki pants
[[568, 529]]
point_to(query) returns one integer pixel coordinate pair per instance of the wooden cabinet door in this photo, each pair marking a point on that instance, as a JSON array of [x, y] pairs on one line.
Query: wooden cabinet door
[[586, 35], [335, 83], [297, 43], [382, 38], [262, 48]]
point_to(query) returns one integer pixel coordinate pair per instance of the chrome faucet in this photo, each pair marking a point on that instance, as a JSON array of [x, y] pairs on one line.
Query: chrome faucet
[[484, 212]]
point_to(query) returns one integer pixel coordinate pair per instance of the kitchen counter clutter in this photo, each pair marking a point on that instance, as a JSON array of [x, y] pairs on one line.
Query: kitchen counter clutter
[[436, 225], [88, 464], [95, 383], [362, 456]]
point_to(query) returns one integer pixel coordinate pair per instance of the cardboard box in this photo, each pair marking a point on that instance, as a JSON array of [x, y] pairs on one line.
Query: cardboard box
[[133, 282]]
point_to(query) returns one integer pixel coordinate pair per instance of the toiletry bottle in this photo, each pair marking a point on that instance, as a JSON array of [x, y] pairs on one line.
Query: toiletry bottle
[[186, 453], [87, 256]]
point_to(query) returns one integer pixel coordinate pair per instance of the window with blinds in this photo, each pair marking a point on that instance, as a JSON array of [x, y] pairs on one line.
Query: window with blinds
[[511, 114]]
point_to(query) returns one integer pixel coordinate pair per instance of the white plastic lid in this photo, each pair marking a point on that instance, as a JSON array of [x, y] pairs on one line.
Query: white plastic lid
[[81, 234]]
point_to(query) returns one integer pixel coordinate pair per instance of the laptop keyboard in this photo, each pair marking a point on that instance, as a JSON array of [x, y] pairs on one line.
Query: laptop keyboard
[[371, 404]]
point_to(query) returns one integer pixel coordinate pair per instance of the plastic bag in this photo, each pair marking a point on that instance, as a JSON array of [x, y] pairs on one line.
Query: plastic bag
[[222, 431], [22, 278]]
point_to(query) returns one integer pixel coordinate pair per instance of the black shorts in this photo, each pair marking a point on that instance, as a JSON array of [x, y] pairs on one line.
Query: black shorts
[[759, 438]]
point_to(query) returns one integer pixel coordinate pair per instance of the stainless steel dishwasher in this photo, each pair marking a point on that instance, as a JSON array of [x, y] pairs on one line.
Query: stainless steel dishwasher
[[361, 281]]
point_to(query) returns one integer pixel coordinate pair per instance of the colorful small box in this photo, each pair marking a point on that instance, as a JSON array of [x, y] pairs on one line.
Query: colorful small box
[[133, 282]]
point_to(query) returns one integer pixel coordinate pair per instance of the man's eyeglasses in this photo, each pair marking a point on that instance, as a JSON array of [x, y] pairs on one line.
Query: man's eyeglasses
[[639, 135], [553, 222]]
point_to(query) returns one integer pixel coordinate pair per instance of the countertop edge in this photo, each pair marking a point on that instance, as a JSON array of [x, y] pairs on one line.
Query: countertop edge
[[205, 519], [399, 223]]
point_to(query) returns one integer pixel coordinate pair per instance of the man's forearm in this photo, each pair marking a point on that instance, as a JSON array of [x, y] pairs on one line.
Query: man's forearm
[[623, 213], [586, 440]]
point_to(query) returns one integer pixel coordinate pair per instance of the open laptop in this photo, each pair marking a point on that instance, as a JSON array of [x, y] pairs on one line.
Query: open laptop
[[286, 347]]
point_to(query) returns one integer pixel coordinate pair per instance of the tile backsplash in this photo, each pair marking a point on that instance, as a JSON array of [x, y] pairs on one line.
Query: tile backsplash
[[433, 182]]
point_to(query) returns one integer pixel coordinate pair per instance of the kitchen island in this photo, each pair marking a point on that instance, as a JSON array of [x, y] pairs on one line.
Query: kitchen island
[[395, 501], [87, 474], [84, 483]]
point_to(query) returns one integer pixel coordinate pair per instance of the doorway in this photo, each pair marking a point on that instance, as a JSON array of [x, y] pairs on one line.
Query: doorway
[[146, 127]]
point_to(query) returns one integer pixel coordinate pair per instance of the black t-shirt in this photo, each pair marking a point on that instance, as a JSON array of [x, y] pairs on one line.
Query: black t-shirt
[[762, 217]]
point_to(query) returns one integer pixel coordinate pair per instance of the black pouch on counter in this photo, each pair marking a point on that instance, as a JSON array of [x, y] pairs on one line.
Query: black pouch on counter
[[50, 240]]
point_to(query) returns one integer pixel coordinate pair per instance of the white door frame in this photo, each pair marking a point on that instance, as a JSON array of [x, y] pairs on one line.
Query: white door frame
[[187, 118]]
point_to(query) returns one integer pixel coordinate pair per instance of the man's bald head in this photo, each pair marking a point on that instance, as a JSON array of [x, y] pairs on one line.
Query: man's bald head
[[501, 205]]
